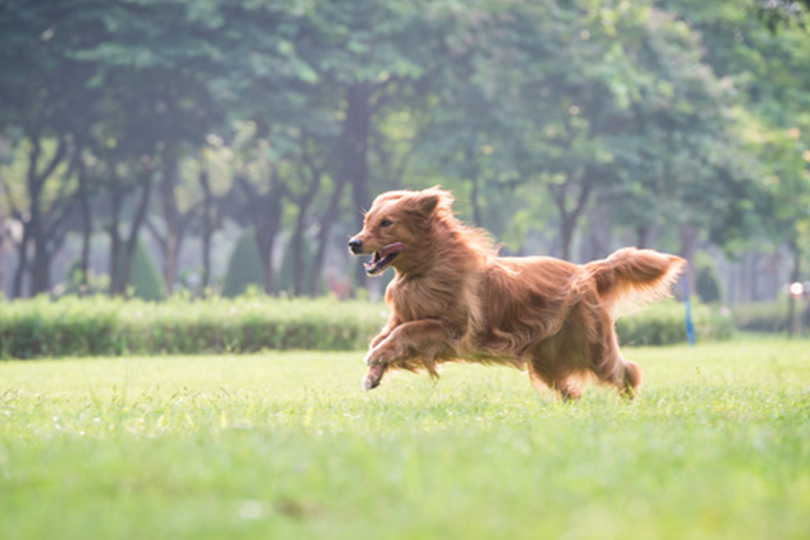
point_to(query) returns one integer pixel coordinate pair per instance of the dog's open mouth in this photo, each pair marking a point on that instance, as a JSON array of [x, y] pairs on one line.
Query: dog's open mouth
[[381, 259]]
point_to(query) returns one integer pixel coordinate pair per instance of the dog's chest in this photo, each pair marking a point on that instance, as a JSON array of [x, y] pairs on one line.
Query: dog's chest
[[414, 299]]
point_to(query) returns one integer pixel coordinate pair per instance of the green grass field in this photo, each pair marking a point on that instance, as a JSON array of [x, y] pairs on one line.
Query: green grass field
[[287, 445]]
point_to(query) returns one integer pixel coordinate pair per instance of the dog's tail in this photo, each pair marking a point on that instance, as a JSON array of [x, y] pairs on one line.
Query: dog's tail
[[634, 276]]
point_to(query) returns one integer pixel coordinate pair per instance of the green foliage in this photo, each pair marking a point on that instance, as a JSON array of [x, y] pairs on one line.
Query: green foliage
[[286, 277], [664, 323], [769, 317], [103, 326], [244, 268], [761, 317], [287, 445], [676, 112], [707, 283], [146, 282], [96, 284]]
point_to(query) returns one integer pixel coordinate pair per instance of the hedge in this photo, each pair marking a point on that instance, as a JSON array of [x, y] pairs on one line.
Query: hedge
[[664, 323], [99, 326], [110, 327], [769, 316]]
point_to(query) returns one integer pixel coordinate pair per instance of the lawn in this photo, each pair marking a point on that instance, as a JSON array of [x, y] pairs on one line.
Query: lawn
[[287, 445]]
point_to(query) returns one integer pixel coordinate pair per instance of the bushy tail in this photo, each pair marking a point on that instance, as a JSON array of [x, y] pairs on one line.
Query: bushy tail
[[635, 276]]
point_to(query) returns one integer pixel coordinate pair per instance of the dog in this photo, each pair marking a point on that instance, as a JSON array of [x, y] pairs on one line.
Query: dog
[[454, 299]]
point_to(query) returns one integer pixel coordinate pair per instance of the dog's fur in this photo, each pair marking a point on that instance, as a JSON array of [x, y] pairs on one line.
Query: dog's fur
[[454, 299]]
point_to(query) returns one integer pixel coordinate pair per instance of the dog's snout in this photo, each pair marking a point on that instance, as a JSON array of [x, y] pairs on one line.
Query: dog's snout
[[356, 245]]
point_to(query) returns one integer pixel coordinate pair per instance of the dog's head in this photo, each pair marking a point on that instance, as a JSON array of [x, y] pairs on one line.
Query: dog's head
[[397, 226]]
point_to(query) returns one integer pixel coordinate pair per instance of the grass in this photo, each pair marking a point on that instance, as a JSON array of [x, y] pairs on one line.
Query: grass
[[286, 445]]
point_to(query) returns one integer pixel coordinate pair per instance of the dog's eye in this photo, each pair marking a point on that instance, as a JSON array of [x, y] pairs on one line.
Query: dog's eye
[[386, 223]]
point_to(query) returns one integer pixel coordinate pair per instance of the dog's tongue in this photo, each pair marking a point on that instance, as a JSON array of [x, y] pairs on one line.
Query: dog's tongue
[[396, 247]]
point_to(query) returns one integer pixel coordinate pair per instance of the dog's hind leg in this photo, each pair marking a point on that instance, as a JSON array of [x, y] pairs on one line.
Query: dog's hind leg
[[632, 379], [544, 375], [568, 390], [610, 366]]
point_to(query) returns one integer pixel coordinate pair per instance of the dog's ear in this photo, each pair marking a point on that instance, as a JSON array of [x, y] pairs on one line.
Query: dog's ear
[[427, 203], [428, 200]]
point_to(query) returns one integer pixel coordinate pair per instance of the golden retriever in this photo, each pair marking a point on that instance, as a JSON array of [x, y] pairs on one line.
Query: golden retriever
[[454, 299]]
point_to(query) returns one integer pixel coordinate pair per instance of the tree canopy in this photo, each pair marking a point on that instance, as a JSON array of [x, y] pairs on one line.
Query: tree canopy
[[558, 123]]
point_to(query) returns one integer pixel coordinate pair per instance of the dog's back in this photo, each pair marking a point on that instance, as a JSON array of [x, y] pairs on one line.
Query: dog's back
[[528, 299]]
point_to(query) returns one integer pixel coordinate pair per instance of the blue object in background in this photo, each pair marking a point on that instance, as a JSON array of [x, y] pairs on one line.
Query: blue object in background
[[690, 327]]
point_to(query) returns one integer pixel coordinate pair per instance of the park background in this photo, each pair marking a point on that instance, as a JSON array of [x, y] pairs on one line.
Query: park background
[[151, 147], [177, 177]]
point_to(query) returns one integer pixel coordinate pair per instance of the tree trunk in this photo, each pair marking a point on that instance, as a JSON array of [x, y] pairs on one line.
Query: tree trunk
[[266, 239], [567, 228], [599, 236], [135, 228], [646, 235], [170, 167], [297, 246], [267, 245], [87, 228], [304, 202], [265, 214], [22, 264], [569, 218], [689, 246], [207, 224], [354, 153], [40, 278], [324, 228], [116, 201]]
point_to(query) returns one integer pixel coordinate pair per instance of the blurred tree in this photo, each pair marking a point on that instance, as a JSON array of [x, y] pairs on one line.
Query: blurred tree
[[167, 53], [779, 13], [771, 72], [214, 181], [372, 53], [42, 86], [678, 116], [310, 175], [244, 267], [707, 282], [680, 158], [552, 94], [146, 282]]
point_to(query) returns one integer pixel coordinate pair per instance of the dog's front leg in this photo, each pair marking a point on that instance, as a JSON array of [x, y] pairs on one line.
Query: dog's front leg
[[422, 338], [384, 333]]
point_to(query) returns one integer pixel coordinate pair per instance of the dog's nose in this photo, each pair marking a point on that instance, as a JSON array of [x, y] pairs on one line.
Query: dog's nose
[[356, 245]]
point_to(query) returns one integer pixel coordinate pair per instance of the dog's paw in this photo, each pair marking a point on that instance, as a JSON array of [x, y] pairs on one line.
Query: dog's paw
[[371, 359], [381, 356], [373, 378]]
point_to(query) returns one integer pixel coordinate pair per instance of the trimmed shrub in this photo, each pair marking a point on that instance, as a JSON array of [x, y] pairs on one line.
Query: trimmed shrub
[[146, 281], [244, 268], [769, 316], [286, 277], [707, 282], [100, 326], [664, 323]]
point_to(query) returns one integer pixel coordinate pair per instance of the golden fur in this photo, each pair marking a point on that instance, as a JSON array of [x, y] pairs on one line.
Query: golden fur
[[454, 299]]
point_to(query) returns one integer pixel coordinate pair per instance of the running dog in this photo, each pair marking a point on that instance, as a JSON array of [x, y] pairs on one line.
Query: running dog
[[454, 299]]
